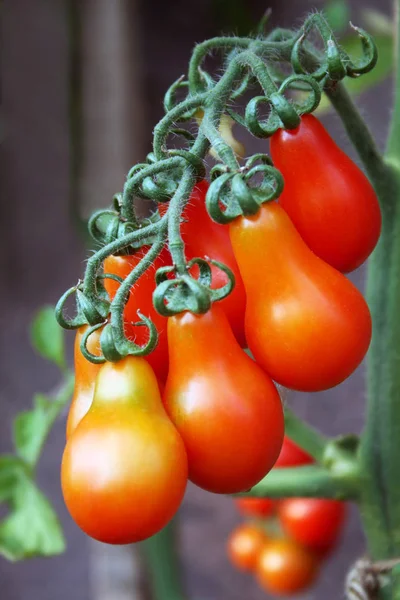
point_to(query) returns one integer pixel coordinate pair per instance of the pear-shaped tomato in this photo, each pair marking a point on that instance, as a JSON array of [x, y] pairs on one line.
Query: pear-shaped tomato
[[85, 377], [205, 238], [124, 468], [329, 199], [225, 407], [141, 298], [306, 324]]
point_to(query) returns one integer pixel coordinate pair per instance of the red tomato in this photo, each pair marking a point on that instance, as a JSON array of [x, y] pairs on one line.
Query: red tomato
[[328, 198], [255, 507], [124, 468], [225, 407], [85, 377], [312, 522], [292, 456], [286, 568], [141, 298], [205, 238], [244, 546], [306, 324]]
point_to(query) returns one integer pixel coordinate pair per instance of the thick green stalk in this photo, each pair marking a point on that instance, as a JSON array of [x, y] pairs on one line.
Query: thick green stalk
[[380, 445], [162, 564], [393, 146], [380, 448], [305, 436], [309, 481], [358, 132]]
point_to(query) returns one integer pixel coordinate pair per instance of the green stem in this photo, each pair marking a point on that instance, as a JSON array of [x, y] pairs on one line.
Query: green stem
[[393, 145], [122, 295], [162, 563], [308, 481], [95, 261], [59, 401], [305, 436], [380, 448], [177, 205], [358, 133], [201, 51], [162, 129]]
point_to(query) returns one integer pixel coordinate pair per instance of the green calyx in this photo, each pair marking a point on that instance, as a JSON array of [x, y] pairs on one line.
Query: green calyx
[[232, 194]]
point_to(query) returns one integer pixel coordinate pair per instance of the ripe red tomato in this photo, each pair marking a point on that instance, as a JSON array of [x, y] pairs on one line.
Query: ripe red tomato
[[306, 324], [141, 298], [284, 567], [255, 507], [329, 199], [205, 238], [85, 377], [124, 468], [292, 456], [225, 407], [244, 546], [313, 522]]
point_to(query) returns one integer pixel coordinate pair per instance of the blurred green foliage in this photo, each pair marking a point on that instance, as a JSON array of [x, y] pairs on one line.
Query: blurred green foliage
[[31, 527]]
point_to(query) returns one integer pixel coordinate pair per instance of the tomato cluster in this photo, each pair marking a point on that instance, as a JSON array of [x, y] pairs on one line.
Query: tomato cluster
[[284, 542], [198, 407]]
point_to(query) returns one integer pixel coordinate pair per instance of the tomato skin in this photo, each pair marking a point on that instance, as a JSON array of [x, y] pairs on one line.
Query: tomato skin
[[205, 238], [124, 468], [85, 377], [255, 507], [292, 455], [306, 324], [225, 407], [244, 546], [329, 199], [141, 298], [285, 567], [313, 522]]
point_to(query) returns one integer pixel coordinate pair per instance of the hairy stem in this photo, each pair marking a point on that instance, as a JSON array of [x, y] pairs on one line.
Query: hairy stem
[[358, 133], [305, 436], [307, 481], [160, 553], [380, 448]]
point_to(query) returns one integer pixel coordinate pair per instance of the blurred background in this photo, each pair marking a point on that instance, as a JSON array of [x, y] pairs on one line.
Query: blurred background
[[82, 86]]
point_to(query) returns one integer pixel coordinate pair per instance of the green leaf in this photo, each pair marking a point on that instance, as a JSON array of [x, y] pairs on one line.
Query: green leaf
[[32, 427], [32, 528], [337, 13], [10, 468], [48, 337]]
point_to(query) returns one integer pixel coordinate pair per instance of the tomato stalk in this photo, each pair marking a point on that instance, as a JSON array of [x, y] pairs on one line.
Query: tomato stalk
[[380, 449], [359, 133], [162, 564], [305, 436], [308, 481]]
